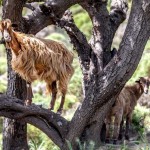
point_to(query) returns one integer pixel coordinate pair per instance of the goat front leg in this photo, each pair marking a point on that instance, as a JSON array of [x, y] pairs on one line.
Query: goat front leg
[[128, 121], [29, 94], [54, 94]]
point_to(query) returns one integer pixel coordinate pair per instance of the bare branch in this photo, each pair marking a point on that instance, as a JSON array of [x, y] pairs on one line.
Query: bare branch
[[118, 13], [80, 44], [30, 6], [50, 123], [77, 37], [41, 16], [13, 8], [116, 17], [100, 32], [104, 27]]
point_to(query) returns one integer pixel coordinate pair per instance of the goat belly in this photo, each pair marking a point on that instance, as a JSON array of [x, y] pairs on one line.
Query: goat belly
[[24, 68], [27, 74]]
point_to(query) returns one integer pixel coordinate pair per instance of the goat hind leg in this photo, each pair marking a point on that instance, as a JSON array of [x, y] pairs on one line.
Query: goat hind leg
[[59, 111], [29, 94], [117, 122], [116, 133], [128, 121], [54, 94], [63, 89], [108, 127]]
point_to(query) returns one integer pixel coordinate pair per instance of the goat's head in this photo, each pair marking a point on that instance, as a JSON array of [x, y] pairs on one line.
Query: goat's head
[[6, 28], [144, 83]]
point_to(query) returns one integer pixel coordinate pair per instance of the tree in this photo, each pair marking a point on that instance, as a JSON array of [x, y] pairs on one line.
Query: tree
[[104, 75]]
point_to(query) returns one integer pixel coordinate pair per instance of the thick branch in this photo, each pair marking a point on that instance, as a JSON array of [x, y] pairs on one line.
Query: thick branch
[[78, 39], [100, 32], [41, 17], [13, 8], [50, 123], [104, 27]]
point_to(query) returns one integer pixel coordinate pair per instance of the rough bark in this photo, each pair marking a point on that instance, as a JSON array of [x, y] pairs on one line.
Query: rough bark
[[104, 76], [14, 132]]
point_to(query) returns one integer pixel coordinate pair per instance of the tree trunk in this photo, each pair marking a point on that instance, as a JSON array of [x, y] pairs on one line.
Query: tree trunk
[[14, 132]]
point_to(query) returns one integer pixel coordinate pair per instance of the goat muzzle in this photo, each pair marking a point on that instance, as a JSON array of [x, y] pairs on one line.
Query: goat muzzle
[[6, 36], [146, 91]]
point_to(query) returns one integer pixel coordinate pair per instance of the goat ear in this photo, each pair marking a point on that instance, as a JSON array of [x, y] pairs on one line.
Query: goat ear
[[137, 81], [6, 23], [14, 26]]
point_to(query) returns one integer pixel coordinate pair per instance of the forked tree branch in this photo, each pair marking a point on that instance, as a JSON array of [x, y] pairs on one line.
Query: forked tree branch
[[100, 31], [116, 73], [78, 39], [105, 26], [41, 18], [53, 125]]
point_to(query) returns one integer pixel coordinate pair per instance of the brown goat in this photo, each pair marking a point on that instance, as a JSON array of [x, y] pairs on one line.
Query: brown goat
[[123, 108], [34, 58]]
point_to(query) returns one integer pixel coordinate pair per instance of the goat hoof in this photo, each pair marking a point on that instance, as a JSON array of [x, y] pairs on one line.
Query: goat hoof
[[59, 112], [127, 137], [120, 137], [107, 141], [51, 108], [27, 102], [115, 142]]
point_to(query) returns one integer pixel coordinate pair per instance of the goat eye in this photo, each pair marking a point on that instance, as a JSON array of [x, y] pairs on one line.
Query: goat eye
[[14, 26]]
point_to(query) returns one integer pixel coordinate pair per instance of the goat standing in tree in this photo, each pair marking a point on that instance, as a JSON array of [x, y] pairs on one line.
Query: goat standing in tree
[[123, 108], [34, 58]]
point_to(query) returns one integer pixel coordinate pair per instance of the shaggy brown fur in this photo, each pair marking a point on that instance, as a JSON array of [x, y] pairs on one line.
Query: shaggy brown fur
[[123, 108], [34, 58]]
